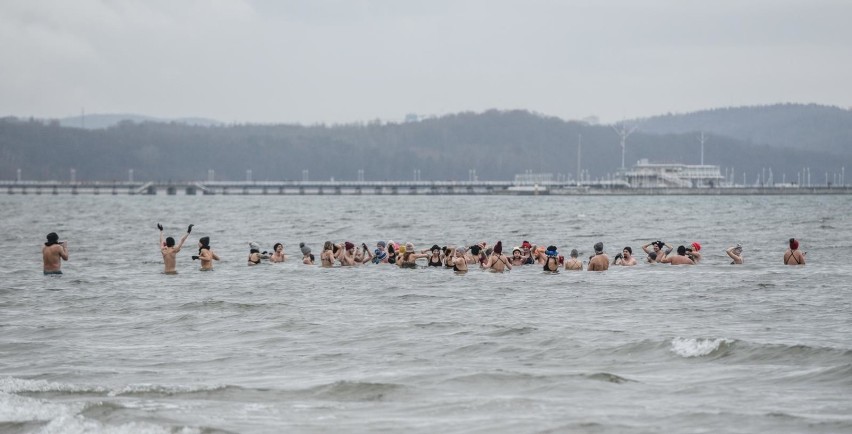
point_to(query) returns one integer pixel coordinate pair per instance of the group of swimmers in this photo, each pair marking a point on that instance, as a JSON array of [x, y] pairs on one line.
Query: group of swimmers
[[459, 258]]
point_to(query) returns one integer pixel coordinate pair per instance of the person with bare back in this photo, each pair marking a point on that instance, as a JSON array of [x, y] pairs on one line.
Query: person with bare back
[[170, 250]]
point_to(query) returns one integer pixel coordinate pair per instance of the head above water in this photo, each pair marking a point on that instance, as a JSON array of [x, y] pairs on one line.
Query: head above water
[[599, 247], [381, 244], [681, 250], [170, 242], [276, 246], [574, 253], [794, 244], [327, 245], [348, 245], [475, 249], [305, 249], [52, 239], [498, 248], [204, 241], [628, 250]]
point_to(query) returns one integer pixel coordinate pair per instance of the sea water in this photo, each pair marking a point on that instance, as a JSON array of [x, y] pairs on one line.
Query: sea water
[[115, 345]]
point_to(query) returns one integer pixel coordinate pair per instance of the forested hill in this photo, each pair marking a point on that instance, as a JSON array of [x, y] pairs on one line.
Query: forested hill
[[497, 144], [798, 126]]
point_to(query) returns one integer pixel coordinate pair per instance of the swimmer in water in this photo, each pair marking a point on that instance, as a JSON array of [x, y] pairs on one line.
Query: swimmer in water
[[327, 256], [307, 257], [54, 252], [460, 260], [346, 254], [380, 254], [205, 254], [254, 254], [599, 262], [551, 261], [170, 250], [434, 256], [278, 254], [693, 251], [656, 247], [497, 262], [625, 258], [680, 259], [408, 256], [736, 254], [573, 263], [793, 256], [363, 255], [518, 257]]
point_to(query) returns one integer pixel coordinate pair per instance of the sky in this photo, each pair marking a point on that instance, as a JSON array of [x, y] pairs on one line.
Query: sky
[[341, 61]]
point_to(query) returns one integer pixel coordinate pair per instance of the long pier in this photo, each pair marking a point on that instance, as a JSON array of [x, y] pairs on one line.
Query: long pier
[[191, 188]]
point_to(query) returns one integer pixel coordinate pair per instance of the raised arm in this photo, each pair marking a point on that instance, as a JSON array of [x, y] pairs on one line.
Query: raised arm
[[160, 227]]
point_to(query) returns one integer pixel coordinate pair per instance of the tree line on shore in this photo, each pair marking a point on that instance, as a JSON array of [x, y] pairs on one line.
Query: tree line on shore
[[495, 144]]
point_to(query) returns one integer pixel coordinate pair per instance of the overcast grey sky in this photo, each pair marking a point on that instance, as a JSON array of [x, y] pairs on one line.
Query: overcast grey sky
[[355, 60]]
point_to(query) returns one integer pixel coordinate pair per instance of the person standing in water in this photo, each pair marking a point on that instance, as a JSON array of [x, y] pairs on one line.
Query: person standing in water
[[736, 254], [53, 253], [599, 262], [170, 250], [793, 256], [497, 262], [205, 254], [573, 263]]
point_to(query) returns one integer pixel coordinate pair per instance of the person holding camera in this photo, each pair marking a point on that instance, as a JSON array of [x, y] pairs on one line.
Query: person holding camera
[[170, 250], [625, 258], [53, 253]]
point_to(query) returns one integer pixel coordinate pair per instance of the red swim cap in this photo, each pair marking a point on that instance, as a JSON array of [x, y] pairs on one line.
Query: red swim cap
[[794, 244], [696, 246], [526, 244]]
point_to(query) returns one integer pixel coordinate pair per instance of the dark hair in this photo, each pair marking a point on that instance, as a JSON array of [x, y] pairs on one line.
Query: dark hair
[[629, 250], [205, 241], [275, 246], [170, 242], [52, 239], [652, 256], [681, 250]]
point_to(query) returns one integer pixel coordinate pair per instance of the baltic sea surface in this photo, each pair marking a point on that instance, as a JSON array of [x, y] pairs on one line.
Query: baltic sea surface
[[114, 345]]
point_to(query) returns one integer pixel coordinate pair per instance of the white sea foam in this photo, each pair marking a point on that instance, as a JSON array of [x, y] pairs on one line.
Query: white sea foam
[[17, 385], [689, 347]]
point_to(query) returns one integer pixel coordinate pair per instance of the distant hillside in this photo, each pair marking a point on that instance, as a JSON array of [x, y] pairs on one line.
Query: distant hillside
[[101, 121], [497, 144], [810, 127]]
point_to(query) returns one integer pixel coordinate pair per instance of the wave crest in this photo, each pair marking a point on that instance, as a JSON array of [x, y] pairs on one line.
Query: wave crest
[[697, 347]]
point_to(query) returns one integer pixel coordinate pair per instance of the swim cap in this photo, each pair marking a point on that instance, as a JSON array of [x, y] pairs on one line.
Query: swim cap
[[254, 246], [409, 247], [498, 248], [401, 249], [696, 246], [305, 249], [349, 245], [205, 241], [381, 244], [526, 245], [739, 247], [460, 250], [794, 244], [598, 247], [516, 249]]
